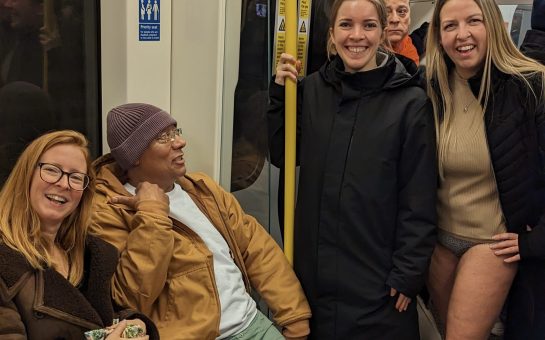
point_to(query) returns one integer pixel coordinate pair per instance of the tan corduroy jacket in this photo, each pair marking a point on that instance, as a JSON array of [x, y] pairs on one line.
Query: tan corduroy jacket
[[165, 269]]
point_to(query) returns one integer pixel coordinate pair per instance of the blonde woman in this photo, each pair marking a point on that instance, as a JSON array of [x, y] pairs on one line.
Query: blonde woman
[[365, 225], [490, 123], [54, 277]]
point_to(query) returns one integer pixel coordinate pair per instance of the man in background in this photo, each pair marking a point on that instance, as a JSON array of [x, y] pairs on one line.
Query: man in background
[[399, 20]]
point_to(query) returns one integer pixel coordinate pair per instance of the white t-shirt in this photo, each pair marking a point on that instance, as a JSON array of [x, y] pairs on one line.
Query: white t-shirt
[[237, 306]]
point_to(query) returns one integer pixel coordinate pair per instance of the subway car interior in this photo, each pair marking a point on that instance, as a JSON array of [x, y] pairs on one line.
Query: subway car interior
[[206, 62]]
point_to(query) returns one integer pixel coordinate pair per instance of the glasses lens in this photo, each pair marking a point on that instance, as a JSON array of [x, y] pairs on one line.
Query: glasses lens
[[169, 136], [175, 133], [50, 173], [78, 181]]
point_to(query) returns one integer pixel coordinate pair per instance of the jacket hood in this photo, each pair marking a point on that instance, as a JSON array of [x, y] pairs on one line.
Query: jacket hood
[[110, 176], [391, 74]]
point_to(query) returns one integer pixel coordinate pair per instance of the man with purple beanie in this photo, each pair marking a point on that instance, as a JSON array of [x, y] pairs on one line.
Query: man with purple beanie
[[189, 255]]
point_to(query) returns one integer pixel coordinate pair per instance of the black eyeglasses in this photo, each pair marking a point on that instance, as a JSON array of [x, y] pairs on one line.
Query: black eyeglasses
[[52, 174]]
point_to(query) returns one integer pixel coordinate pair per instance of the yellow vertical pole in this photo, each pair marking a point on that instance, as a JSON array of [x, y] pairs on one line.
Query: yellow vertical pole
[[290, 106]]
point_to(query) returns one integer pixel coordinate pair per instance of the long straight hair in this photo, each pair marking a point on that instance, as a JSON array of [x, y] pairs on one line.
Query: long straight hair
[[20, 226], [500, 52]]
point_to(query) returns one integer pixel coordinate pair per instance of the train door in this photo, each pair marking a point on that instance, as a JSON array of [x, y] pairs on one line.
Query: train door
[[253, 180]]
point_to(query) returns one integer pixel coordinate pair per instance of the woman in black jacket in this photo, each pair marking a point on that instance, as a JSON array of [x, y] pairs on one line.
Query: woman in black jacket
[[365, 215], [54, 277], [488, 102]]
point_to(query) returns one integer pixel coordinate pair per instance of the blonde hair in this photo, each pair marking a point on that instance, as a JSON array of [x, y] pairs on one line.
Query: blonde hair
[[500, 52], [20, 226], [379, 5]]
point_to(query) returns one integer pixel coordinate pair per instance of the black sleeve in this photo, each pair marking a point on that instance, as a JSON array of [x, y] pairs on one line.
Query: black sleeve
[[275, 121], [417, 195], [532, 243], [418, 36], [533, 45]]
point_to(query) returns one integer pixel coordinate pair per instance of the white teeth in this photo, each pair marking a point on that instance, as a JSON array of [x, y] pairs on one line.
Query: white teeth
[[356, 49], [56, 198], [466, 48]]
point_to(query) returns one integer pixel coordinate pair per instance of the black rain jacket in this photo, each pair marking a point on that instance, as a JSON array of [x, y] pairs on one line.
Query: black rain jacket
[[365, 215]]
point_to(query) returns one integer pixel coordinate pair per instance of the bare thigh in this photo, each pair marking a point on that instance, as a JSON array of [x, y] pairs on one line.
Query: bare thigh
[[441, 279], [479, 292]]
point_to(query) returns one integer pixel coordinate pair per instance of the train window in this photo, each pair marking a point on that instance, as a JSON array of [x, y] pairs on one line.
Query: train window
[[49, 66], [517, 21], [250, 175]]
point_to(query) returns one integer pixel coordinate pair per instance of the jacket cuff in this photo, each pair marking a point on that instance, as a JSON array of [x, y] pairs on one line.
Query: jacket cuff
[[524, 247], [153, 207], [276, 91], [297, 330], [409, 288]]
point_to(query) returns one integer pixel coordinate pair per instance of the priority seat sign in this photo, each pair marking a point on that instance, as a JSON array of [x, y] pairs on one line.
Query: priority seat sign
[[149, 20]]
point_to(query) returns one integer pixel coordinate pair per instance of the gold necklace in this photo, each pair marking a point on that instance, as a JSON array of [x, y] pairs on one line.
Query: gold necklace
[[466, 106]]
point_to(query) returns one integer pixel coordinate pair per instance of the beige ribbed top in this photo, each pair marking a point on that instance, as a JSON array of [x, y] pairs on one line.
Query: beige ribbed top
[[468, 204]]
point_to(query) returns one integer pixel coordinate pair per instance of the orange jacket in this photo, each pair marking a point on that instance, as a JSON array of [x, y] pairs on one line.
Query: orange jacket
[[165, 269], [407, 49]]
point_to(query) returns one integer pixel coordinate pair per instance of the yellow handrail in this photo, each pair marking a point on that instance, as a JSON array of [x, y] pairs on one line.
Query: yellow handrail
[[290, 106]]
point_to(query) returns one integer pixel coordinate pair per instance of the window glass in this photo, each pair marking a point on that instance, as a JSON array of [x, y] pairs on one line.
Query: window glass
[[48, 72]]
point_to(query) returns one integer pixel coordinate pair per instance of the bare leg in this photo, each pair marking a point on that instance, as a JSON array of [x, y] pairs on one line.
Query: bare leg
[[480, 289], [441, 279]]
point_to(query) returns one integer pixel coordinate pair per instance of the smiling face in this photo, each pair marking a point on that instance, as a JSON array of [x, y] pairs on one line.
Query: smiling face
[[463, 35], [160, 164], [356, 35], [399, 19], [54, 202]]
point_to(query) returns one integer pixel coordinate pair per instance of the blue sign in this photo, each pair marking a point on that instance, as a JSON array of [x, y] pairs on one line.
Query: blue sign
[[149, 20], [261, 10]]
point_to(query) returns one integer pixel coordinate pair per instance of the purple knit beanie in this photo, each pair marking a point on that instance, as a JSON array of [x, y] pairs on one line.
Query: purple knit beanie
[[131, 128]]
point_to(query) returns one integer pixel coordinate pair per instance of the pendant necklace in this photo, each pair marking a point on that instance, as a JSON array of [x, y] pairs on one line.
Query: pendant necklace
[[466, 106]]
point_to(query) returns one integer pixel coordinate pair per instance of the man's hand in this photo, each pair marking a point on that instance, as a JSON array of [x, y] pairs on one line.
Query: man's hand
[[145, 191], [402, 301]]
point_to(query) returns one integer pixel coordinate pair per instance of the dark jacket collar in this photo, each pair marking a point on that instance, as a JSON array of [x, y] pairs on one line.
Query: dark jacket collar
[[497, 79], [90, 303], [392, 74], [533, 43]]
